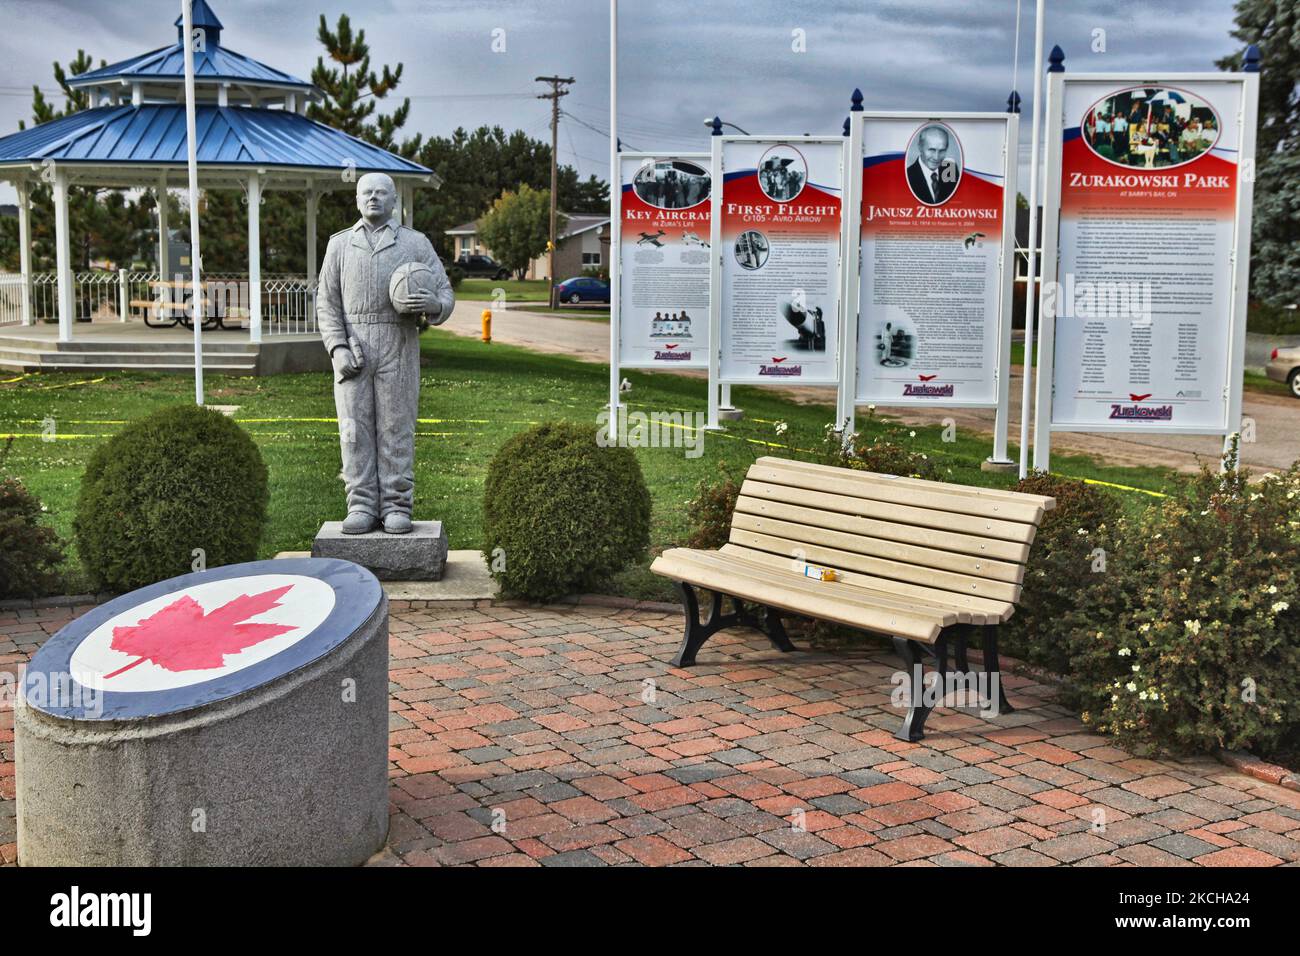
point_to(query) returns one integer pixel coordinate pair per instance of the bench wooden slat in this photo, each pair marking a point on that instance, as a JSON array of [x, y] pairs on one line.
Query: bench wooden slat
[[1044, 501], [924, 559], [884, 488], [887, 530], [831, 499], [880, 567], [969, 610], [826, 600], [788, 521]]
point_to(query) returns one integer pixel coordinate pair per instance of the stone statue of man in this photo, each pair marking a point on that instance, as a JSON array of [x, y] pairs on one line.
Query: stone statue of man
[[375, 350]]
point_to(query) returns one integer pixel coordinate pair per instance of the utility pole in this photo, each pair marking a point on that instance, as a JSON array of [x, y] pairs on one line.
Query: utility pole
[[554, 97]]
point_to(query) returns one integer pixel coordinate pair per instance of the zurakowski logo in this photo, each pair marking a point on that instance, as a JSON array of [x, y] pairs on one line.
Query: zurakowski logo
[[913, 390], [74, 908], [666, 354], [1138, 412], [776, 368]]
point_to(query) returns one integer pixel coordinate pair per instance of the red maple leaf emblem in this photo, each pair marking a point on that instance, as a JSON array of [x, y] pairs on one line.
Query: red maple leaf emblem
[[1138, 398], [778, 361], [181, 637], [926, 378]]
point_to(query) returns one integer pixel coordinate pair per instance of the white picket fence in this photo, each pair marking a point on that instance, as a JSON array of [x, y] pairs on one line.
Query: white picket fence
[[288, 301]]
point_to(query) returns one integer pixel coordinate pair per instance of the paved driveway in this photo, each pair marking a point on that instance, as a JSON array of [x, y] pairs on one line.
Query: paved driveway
[[559, 736]]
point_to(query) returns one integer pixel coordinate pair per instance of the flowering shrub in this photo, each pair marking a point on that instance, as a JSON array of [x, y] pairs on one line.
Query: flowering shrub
[[1194, 642], [884, 452], [709, 512], [1070, 556]]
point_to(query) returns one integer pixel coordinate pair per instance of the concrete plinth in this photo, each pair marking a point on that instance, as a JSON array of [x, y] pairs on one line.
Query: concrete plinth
[[730, 414], [278, 755], [999, 467], [419, 555]]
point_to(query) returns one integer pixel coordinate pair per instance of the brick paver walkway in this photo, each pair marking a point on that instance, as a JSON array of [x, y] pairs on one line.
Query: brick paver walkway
[[559, 736]]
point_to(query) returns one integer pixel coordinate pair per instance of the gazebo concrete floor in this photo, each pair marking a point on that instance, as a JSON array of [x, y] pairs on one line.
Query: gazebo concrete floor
[[560, 736], [134, 346]]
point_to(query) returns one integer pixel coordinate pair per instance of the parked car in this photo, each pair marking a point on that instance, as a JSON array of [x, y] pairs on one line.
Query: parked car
[[482, 267], [583, 289], [1284, 366]]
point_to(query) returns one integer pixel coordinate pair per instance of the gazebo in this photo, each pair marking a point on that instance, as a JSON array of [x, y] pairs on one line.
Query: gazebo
[[253, 135]]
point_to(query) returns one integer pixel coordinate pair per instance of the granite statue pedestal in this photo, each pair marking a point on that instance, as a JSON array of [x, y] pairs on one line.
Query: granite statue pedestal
[[236, 716], [419, 555]]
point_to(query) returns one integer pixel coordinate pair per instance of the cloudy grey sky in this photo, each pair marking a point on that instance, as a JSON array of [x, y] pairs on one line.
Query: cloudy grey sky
[[679, 61]]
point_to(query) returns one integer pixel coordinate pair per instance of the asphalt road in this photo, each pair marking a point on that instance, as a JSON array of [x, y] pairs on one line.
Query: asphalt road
[[1276, 417]]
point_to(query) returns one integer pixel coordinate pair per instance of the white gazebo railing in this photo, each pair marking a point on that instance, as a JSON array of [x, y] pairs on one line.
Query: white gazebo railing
[[288, 301]]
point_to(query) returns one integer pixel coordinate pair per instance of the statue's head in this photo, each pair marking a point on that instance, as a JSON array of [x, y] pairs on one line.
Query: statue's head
[[376, 197]]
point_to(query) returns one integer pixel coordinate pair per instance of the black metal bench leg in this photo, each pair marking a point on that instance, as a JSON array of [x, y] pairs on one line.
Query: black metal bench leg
[[774, 628], [914, 723], [993, 670], [912, 653], [696, 633]]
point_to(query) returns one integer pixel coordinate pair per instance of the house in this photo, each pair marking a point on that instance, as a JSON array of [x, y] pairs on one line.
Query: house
[[583, 244], [1022, 265]]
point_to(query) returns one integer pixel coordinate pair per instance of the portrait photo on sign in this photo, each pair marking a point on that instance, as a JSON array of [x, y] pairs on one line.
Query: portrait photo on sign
[[934, 164], [808, 321], [895, 344], [1150, 127], [675, 184], [751, 249], [782, 173]]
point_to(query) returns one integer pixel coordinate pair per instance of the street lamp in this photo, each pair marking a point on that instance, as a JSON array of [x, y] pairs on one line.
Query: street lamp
[[716, 125]]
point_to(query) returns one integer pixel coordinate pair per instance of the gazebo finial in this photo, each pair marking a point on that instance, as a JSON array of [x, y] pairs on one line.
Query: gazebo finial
[[205, 20]]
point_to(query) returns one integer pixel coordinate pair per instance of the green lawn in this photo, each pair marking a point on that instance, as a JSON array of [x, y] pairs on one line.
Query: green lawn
[[517, 290], [474, 397]]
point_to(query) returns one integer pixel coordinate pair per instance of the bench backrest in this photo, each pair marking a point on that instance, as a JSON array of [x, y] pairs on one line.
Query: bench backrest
[[928, 539]]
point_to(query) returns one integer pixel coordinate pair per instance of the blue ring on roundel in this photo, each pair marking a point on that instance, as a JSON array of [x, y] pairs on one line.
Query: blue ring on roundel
[[357, 593]]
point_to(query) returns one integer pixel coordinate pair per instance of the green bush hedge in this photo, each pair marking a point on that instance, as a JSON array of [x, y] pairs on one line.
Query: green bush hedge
[[1068, 556], [1194, 641], [180, 479], [30, 552], [562, 514]]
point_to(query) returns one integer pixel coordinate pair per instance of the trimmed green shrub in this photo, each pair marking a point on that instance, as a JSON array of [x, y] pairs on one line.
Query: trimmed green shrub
[[182, 478], [1194, 643], [1069, 556], [561, 514], [30, 552]]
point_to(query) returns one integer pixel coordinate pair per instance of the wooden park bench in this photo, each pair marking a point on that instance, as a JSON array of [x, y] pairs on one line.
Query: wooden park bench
[[924, 562]]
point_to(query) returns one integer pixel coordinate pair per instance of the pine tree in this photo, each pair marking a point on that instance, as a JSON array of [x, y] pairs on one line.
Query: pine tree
[[1274, 26]]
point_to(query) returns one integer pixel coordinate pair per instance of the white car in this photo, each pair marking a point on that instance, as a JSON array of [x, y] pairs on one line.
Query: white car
[[1284, 366]]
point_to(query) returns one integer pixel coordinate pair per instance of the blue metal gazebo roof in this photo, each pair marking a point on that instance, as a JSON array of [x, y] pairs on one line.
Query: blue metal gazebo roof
[[212, 62], [120, 140], [153, 134]]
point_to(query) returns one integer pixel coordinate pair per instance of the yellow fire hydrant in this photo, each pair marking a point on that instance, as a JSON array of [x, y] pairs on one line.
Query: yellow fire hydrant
[[487, 325]]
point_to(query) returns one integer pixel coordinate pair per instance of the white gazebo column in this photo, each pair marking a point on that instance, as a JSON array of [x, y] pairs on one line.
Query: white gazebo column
[[313, 202], [408, 207], [164, 246], [63, 253], [254, 258], [25, 248]]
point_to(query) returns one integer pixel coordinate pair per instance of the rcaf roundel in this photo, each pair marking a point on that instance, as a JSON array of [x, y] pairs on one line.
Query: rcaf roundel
[[199, 638]]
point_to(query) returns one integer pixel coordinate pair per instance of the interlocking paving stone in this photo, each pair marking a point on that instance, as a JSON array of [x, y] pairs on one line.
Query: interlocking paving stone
[[520, 737]]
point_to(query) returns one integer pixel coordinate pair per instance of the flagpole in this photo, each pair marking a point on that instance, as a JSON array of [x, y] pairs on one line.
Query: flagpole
[[615, 226], [187, 15], [1030, 283]]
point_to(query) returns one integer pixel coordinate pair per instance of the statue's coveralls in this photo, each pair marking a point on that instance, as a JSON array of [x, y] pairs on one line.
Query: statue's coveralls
[[377, 408]]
